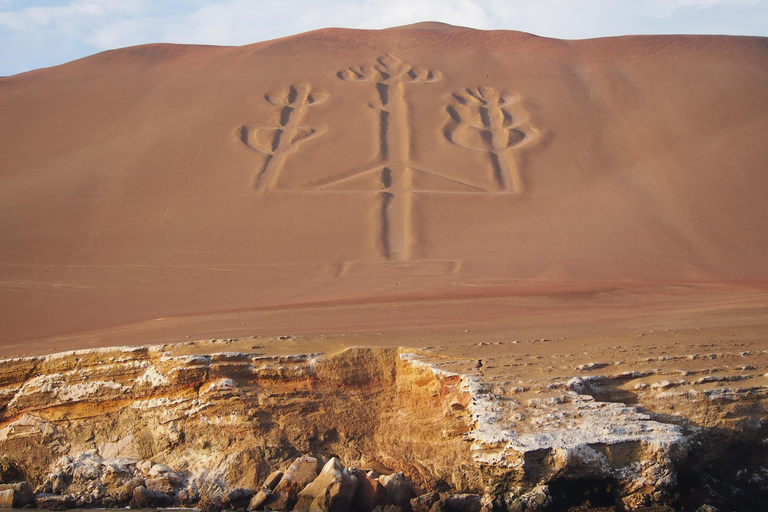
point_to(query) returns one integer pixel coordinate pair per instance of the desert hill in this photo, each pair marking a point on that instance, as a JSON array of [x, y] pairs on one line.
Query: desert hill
[[352, 180]]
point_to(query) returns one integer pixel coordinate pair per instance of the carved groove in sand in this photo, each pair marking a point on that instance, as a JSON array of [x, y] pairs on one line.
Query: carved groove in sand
[[279, 141], [492, 121], [482, 119], [388, 76]]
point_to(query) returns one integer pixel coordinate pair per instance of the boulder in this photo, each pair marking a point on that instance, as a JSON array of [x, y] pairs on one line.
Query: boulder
[[332, 490], [265, 494], [259, 498], [60, 482], [399, 491], [134, 483], [115, 475], [463, 503], [209, 506], [534, 501], [54, 502], [144, 498], [272, 480], [7, 497], [16, 495], [145, 466], [159, 470], [298, 475], [9, 471], [93, 499], [85, 471], [388, 508], [46, 487], [370, 493], [237, 499], [438, 506], [163, 471], [162, 485], [424, 502], [122, 494], [189, 496]]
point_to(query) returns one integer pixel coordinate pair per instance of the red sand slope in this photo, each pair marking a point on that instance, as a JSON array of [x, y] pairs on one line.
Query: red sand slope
[[344, 167]]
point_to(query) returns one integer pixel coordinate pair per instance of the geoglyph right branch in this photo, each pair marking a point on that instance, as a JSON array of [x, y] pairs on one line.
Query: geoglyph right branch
[[484, 119]]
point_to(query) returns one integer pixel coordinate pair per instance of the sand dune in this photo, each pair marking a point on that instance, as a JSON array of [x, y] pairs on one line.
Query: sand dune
[[172, 188]]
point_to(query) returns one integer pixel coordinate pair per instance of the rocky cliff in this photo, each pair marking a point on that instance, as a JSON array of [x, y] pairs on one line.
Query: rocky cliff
[[88, 428]]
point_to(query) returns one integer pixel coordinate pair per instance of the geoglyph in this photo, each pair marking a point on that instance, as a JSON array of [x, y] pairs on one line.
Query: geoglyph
[[479, 119]]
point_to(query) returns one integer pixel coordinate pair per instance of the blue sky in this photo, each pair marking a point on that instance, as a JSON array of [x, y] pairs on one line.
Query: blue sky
[[36, 34]]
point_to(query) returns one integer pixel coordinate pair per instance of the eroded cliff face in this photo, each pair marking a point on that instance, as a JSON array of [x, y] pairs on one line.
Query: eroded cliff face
[[88, 425], [228, 419]]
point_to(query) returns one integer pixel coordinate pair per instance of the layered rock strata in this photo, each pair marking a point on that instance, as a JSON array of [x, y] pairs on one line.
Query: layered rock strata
[[161, 426]]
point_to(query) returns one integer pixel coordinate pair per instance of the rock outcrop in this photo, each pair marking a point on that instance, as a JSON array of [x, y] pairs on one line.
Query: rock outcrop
[[299, 475], [153, 427], [332, 490], [15, 495]]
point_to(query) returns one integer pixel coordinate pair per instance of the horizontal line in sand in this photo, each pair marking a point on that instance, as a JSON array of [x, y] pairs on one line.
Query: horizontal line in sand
[[400, 268]]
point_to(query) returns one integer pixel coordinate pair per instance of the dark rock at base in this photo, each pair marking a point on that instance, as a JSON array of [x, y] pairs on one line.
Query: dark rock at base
[[707, 508], [89, 500], [424, 502], [370, 493], [389, 508], [189, 497], [438, 507], [16, 495], [463, 503], [332, 490], [535, 500], [272, 480], [161, 484], [237, 499], [9, 471], [7, 498], [44, 488], [135, 482], [114, 476], [122, 494], [303, 471], [145, 498], [258, 499], [54, 502], [60, 483], [109, 502], [399, 491], [209, 506]]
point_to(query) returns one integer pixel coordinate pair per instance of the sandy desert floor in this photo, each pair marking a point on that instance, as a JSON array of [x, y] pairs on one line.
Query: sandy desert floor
[[571, 324]]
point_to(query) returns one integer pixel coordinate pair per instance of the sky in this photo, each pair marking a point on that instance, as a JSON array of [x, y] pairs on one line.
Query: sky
[[35, 34]]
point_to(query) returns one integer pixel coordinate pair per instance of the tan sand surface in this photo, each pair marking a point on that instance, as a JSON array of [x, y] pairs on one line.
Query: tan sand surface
[[418, 181]]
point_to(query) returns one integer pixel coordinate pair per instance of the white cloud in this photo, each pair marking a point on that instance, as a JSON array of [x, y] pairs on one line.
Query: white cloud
[[389, 13], [670, 7], [75, 20], [104, 24], [124, 32], [242, 21], [33, 34]]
